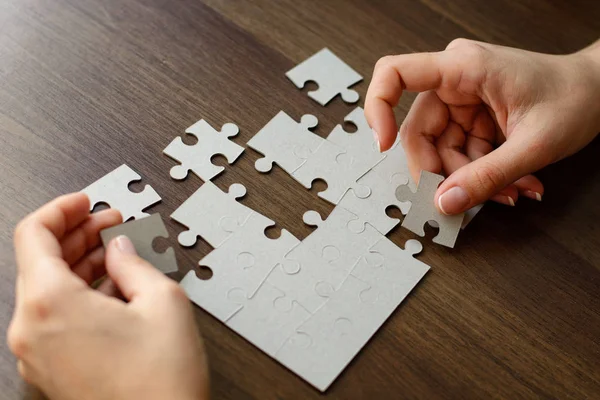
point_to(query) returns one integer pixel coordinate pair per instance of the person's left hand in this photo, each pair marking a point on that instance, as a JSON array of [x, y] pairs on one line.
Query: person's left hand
[[74, 342]]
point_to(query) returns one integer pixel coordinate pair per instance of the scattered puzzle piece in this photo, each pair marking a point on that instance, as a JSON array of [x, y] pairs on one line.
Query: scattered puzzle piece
[[197, 158], [331, 74], [142, 233], [423, 209], [285, 142], [112, 189], [212, 214]]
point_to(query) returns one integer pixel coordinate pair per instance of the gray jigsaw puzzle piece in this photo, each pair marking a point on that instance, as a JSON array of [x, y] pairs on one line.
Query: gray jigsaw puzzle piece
[[331, 74], [285, 142], [112, 189], [142, 233], [197, 157], [423, 210]]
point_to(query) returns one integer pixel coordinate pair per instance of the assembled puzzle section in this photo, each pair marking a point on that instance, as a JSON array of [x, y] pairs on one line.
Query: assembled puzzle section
[[325, 343], [113, 190], [285, 142], [142, 233], [423, 210], [197, 157], [331, 74]]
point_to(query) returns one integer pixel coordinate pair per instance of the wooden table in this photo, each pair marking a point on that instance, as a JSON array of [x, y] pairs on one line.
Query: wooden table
[[86, 85]]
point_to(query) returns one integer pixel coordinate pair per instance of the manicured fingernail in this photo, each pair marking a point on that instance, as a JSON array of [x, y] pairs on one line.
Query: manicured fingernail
[[124, 245], [502, 199], [376, 137], [532, 195], [453, 201]]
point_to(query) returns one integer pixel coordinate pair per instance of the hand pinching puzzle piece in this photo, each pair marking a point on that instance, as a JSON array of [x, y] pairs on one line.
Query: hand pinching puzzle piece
[[331, 74], [112, 189], [142, 233], [423, 210], [197, 158]]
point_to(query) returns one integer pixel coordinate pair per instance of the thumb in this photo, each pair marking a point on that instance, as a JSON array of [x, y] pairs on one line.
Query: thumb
[[479, 180], [130, 273]]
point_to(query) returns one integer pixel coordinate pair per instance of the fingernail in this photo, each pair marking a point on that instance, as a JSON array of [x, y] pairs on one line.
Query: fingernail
[[376, 137], [453, 201], [502, 199], [124, 245], [532, 195]]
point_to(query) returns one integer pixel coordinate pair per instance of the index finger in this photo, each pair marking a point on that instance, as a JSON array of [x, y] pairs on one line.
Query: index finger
[[417, 72], [39, 234]]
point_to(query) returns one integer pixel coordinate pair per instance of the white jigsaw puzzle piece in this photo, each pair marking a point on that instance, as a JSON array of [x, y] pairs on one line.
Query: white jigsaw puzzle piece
[[331, 74], [285, 142], [314, 269], [268, 319], [197, 157], [373, 207], [394, 168], [211, 214], [112, 189]]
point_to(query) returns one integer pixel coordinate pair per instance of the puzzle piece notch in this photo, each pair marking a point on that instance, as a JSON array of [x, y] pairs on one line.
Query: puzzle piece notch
[[330, 73], [211, 214], [113, 189], [423, 210], [142, 234], [285, 142], [356, 143], [197, 157]]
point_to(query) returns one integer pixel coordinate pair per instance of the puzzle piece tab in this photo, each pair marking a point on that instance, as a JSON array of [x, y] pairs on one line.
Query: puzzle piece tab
[[197, 158], [285, 142], [142, 233], [329, 72], [423, 209], [212, 214], [112, 189]]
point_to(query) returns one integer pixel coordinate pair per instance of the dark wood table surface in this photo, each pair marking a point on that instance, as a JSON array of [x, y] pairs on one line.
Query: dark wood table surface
[[86, 85]]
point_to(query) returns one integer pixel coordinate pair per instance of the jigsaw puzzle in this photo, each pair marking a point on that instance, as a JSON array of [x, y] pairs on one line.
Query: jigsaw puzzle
[[212, 214], [142, 233], [197, 157], [331, 74], [285, 142], [112, 189], [423, 210], [325, 343]]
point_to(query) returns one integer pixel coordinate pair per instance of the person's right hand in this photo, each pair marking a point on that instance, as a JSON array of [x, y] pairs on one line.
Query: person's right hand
[[487, 116], [74, 342]]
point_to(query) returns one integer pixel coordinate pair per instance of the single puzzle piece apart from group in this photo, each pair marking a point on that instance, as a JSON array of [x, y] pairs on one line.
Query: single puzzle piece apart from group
[[315, 268], [113, 190], [197, 157], [285, 142], [142, 233], [331, 74], [212, 214], [242, 262], [423, 210], [325, 343]]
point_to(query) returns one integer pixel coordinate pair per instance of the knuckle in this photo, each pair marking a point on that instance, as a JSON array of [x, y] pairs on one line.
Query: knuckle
[[383, 63], [173, 291], [21, 229], [17, 341], [458, 42], [39, 305], [470, 51], [489, 178]]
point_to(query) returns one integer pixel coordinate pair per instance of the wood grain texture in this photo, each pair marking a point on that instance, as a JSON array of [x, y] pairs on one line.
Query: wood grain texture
[[86, 85]]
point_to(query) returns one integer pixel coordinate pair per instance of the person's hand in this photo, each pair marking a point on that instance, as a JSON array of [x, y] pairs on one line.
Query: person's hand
[[486, 116], [74, 342]]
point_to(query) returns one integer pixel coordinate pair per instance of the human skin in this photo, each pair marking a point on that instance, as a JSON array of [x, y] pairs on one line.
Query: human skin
[[487, 116], [76, 342]]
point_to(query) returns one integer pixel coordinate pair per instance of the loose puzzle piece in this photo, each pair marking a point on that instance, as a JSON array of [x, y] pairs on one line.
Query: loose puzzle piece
[[423, 210], [373, 207], [337, 168], [268, 319], [331, 74], [314, 269], [142, 233], [112, 189], [212, 214], [285, 142], [197, 158]]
